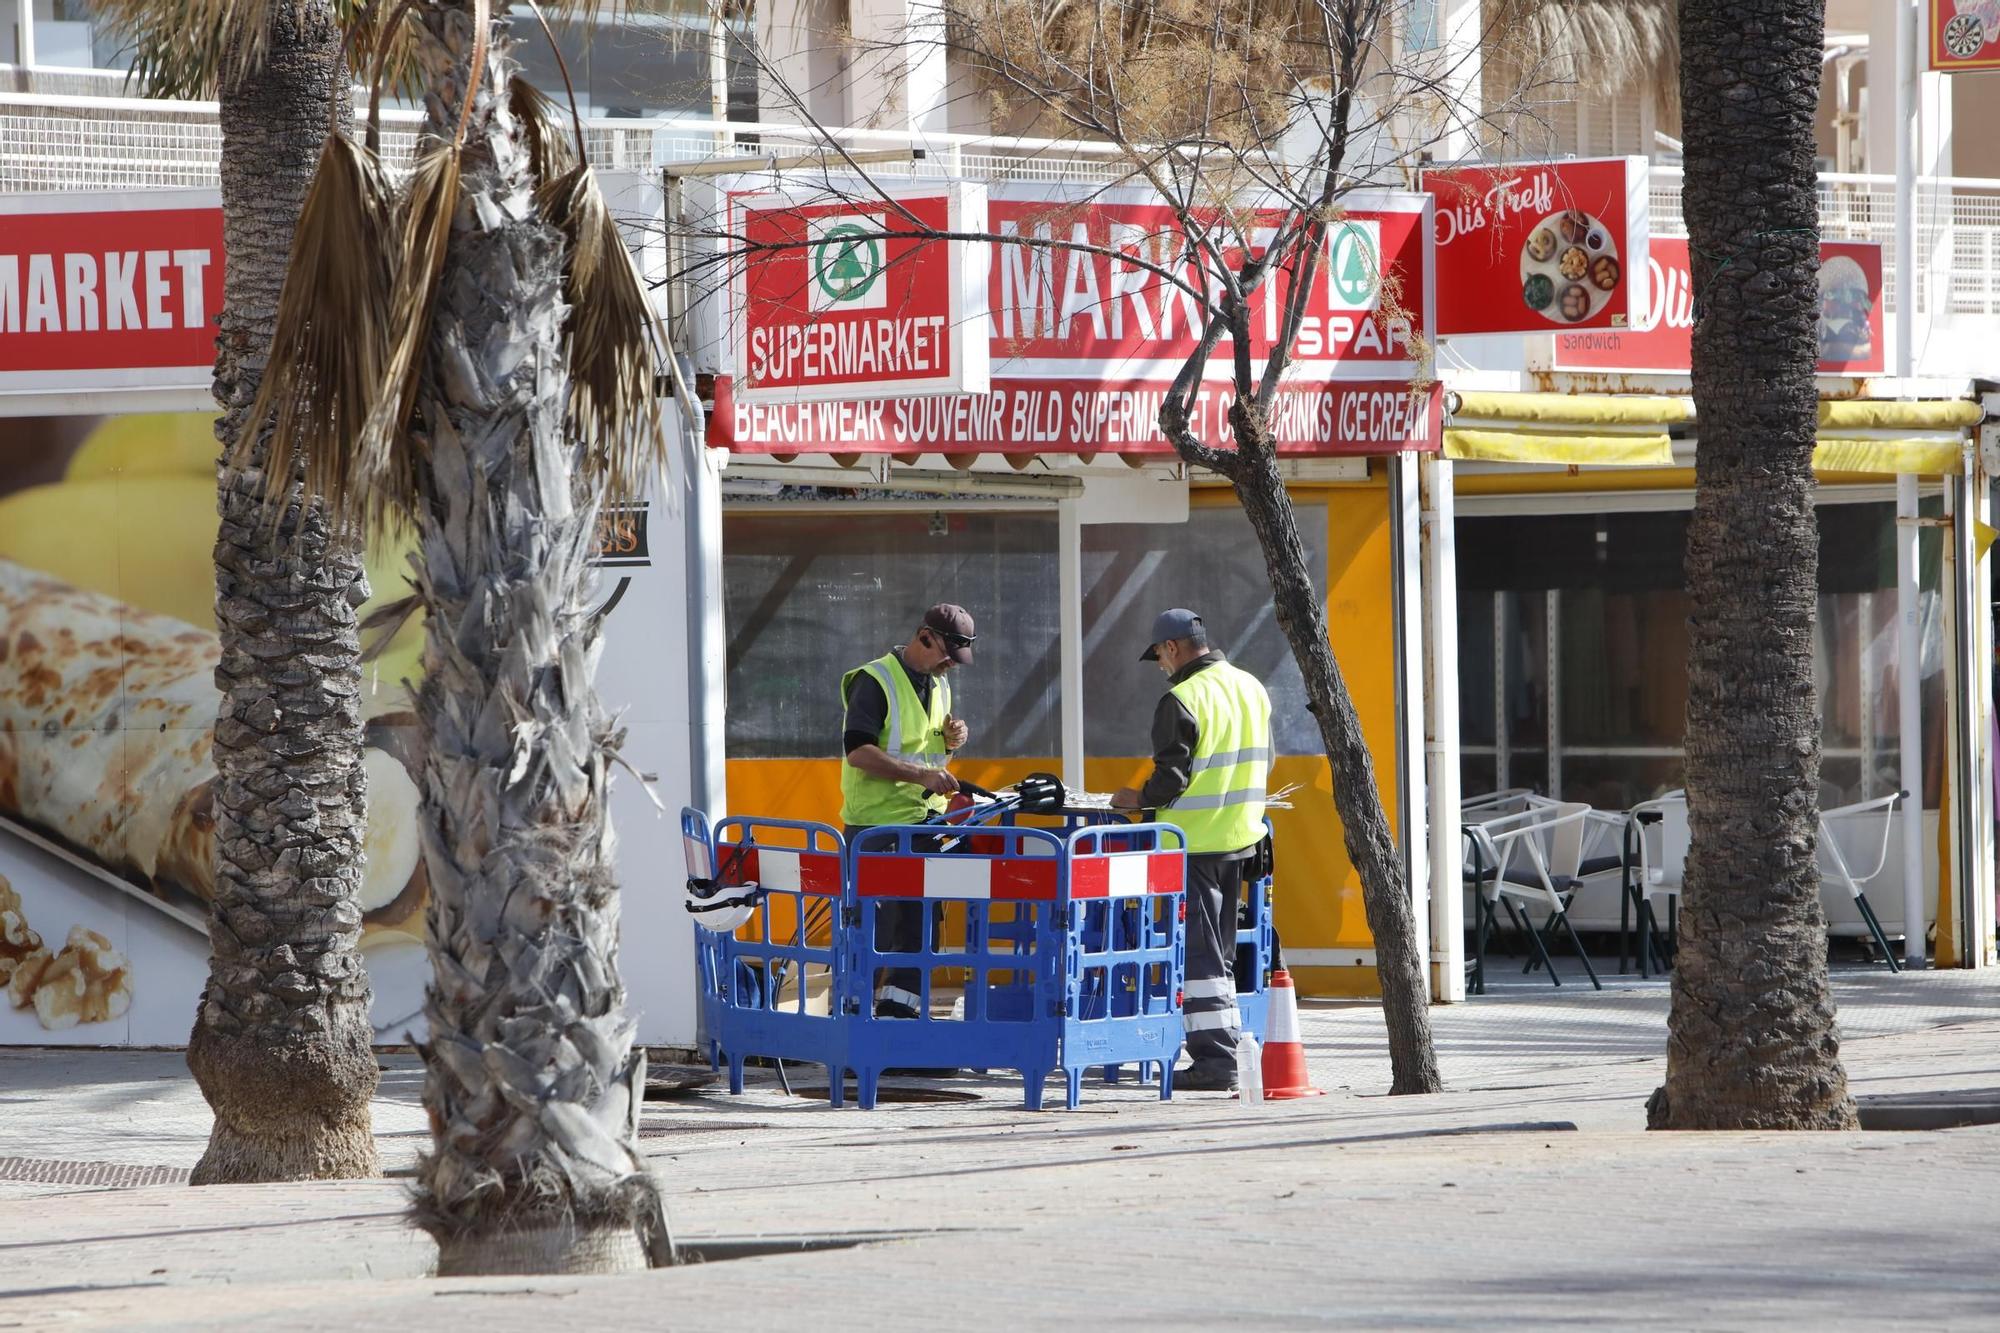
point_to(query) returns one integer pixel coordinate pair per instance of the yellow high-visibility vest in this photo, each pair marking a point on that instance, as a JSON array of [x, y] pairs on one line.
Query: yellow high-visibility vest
[[912, 733], [1222, 809]]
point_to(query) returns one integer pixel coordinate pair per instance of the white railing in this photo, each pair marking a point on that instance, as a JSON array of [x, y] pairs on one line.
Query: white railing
[[1957, 237], [54, 142]]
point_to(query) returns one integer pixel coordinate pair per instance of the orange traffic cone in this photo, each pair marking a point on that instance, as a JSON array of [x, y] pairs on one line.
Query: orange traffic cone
[[1284, 1053]]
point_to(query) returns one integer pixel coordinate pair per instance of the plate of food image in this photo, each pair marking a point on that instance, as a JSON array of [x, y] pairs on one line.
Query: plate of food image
[[1570, 267]]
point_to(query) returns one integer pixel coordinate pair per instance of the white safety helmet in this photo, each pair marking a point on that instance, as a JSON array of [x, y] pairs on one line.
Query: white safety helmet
[[722, 908]]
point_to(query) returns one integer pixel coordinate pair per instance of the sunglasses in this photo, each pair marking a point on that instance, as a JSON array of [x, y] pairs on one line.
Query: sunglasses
[[953, 640]]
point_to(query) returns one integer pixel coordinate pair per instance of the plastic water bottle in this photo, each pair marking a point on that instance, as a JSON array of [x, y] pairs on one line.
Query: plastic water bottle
[[1249, 1069]]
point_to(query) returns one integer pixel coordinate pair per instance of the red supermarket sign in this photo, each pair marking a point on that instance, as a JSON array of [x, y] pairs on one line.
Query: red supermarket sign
[[836, 297], [1535, 247], [1850, 316], [1965, 35], [1064, 310], [109, 290], [1086, 327], [1082, 416]]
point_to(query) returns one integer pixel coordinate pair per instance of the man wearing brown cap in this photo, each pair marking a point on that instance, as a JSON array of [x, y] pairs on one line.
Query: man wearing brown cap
[[898, 736]]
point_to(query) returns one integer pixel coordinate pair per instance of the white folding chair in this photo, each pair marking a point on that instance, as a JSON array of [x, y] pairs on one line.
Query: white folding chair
[[1516, 861], [1598, 873], [1486, 805], [1834, 866], [1658, 830]]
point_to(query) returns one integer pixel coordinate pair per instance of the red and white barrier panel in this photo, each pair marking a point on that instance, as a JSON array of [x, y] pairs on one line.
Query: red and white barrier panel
[[1016, 878], [967, 878], [782, 869], [1126, 874]]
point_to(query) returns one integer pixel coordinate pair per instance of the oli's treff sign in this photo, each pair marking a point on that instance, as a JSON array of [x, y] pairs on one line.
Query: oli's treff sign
[[1536, 247], [836, 298], [1085, 332], [107, 291], [1850, 316], [1965, 35]]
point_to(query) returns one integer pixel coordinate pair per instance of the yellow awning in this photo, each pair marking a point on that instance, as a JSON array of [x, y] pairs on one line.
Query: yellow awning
[[1932, 457], [1565, 409], [1891, 414], [1871, 436], [1553, 446]]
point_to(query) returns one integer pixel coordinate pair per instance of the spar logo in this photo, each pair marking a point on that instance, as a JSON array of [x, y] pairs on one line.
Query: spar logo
[[844, 259], [1354, 265]]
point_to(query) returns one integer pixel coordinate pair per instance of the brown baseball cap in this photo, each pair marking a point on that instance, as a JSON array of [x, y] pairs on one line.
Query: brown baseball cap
[[953, 624]]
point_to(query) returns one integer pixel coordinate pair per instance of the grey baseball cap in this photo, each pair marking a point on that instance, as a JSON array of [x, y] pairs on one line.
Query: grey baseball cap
[[1179, 623]]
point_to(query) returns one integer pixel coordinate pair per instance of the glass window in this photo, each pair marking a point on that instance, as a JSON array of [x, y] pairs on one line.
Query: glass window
[[807, 595], [1622, 622], [1213, 565]]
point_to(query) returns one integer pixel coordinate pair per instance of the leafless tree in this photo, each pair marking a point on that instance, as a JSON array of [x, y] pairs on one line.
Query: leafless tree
[[1255, 125]]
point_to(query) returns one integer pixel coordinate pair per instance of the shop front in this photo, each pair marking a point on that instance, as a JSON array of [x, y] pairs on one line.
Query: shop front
[[1572, 517]]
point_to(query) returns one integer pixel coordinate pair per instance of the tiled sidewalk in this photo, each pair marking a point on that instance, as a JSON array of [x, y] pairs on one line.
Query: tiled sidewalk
[[1523, 1196]]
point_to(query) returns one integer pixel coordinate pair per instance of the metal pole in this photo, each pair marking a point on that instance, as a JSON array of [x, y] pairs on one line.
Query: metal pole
[[1978, 902], [708, 636], [1069, 592], [1442, 736], [1971, 805], [1909, 720], [1907, 111], [1909, 725], [25, 33], [1406, 590], [1552, 673], [718, 63]]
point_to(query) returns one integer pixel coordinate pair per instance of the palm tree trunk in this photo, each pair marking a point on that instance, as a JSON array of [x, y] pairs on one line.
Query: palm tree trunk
[[1371, 847], [281, 1044], [1752, 1042], [531, 1080]]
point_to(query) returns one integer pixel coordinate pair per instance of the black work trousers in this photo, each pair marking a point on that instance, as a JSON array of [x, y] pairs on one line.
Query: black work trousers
[[1214, 896], [899, 928]]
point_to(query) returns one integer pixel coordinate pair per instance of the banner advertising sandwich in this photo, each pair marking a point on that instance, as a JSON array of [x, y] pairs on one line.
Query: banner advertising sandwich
[[1535, 247], [1851, 338]]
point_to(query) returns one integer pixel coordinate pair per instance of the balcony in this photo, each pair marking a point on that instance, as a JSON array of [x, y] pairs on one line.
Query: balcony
[[104, 143]]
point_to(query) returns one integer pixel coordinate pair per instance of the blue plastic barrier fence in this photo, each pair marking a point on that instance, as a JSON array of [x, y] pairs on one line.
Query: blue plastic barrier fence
[[772, 988], [1065, 951], [1256, 940], [1125, 908], [1007, 894]]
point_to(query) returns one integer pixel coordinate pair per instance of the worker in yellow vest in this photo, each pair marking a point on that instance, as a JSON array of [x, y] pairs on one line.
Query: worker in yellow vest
[[1211, 760], [898, 735]]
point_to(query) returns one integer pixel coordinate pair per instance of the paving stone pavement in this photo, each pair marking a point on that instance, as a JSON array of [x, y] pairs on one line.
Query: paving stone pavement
[[1525, 1195]]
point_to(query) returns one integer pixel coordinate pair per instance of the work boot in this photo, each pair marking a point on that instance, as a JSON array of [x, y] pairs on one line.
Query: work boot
[[1205, 1078]]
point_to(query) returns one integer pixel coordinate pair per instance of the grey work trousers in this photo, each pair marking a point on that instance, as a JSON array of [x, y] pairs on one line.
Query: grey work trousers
[[1214, 895], [899, 928]]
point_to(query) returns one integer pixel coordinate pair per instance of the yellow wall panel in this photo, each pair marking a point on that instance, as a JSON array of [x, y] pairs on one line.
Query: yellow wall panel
[[1318, 893]]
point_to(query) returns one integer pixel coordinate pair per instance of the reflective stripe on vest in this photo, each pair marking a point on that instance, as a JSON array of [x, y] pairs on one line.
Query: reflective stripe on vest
[[1222, 809], [911, 733]]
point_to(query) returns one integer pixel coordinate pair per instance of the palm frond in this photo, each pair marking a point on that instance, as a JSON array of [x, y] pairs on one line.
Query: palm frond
[[328, 346], [1605, 44], [189, 48], [551, 146], [385, 468], [610, 345]]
